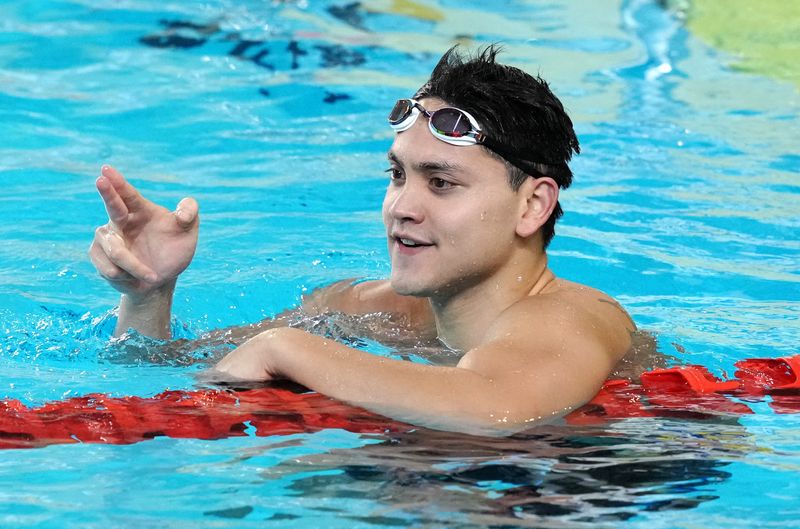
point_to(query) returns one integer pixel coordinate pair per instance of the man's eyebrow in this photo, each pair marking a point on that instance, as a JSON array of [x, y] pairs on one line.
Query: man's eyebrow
[[427, 166]]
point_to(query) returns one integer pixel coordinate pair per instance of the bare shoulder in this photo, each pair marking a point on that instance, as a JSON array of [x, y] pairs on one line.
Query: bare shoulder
[[589, 305], [568, 315], [355, 297], [554, 349]]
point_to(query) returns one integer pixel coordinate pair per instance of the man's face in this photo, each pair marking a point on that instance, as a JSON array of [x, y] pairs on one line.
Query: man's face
[[449, 212]]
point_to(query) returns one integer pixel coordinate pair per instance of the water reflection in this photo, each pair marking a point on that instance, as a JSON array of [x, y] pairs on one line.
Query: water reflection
[[556, 476]]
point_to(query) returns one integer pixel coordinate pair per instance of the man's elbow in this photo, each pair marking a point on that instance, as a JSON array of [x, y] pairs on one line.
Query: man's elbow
[[483, 416], [501, 423]]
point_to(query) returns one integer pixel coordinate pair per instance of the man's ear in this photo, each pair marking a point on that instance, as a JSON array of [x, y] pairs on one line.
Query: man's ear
[[538, 199]]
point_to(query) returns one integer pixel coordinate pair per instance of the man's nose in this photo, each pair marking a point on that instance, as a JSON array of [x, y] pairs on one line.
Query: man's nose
[[405, 202]]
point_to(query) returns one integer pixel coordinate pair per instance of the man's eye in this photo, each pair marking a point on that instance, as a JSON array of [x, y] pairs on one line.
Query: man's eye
[[394, 174], [440, 183]]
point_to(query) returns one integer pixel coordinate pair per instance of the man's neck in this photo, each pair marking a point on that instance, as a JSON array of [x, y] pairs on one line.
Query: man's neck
[[463, 318]]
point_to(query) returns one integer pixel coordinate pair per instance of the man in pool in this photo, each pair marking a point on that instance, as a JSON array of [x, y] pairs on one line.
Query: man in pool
[[479, 155]]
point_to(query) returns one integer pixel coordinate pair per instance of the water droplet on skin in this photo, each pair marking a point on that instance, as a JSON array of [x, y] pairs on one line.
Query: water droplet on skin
[[519, 279], [483, 215]]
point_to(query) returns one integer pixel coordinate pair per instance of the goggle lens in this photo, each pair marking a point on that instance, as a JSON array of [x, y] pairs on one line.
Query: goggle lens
[[402, 109], [451, 122]]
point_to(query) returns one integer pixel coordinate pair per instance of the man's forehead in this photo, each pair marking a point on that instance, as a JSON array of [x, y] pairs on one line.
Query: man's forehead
[[424, 163]]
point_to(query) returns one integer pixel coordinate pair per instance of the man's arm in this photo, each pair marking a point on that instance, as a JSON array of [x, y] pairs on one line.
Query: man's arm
[[141, 251], [537, 362]]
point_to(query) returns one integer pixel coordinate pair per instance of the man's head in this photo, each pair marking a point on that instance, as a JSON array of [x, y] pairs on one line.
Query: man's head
[[475, 169], [524, 121]]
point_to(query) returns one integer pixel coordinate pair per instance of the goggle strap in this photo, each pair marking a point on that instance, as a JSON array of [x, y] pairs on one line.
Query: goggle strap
[[528, 167]]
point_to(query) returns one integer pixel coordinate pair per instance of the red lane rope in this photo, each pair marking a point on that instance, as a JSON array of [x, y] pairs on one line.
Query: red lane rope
[[201, 414], [687, 391], [693, 392]]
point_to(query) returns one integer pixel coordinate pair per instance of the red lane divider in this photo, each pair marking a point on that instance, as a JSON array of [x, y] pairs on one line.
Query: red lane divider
[[202, 414], [688, 391], [780, 377], [693, 392], [762, 375], [691, 389]]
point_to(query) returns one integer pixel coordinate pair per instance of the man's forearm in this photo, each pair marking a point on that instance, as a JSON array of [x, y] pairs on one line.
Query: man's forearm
[[150, 316], [450, 398]]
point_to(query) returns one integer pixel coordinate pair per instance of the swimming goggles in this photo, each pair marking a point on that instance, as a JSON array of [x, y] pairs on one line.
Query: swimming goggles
[[453, 126]]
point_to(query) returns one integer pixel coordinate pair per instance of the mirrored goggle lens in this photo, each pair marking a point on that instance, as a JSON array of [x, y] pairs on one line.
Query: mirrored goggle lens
[[401, 111], [451, 122]]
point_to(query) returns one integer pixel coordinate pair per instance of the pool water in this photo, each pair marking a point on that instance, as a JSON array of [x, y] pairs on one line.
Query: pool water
[[685, 207]]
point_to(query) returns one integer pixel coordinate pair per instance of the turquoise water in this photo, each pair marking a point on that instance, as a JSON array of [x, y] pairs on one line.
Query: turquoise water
[[685, 208]]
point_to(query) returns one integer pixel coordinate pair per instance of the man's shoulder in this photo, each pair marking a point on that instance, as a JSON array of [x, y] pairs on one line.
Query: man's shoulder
[[567, 297], [565, 311]]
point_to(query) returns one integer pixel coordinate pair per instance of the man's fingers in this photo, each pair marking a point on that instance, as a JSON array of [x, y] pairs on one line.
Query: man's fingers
[[186, 213], [105, 267], [115, 206], [129, 195], [118, 254]]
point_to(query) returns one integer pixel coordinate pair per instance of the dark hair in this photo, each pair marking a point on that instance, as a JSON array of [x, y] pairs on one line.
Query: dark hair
[[516, 110]]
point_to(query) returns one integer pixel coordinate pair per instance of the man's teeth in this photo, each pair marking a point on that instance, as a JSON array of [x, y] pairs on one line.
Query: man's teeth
[[408, 242]]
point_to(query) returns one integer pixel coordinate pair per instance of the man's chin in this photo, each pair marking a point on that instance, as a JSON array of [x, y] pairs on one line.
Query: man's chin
[[408, 288]]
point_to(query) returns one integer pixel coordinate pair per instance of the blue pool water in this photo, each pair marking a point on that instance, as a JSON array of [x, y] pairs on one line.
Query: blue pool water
[[685, 207]]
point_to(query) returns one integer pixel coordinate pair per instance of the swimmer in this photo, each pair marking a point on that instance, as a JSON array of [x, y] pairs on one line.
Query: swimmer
[[480, 153]]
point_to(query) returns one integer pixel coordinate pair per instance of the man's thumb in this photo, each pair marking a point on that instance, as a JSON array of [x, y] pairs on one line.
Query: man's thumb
[[186, 212]]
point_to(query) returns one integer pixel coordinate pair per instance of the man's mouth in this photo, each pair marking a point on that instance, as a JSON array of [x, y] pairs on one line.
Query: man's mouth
[[408, 242]]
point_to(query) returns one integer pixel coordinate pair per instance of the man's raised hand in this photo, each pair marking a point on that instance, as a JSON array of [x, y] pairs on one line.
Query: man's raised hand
[[143, 247]]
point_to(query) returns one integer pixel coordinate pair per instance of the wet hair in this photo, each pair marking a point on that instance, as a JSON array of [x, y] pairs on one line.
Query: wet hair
[[514, 109]]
